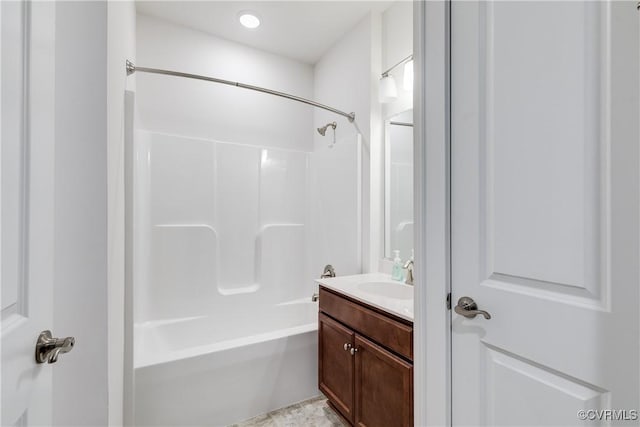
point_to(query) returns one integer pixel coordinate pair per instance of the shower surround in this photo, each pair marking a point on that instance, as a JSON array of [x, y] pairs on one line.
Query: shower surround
[[225, 328], [237, 208], [224, 322], [223, 220]]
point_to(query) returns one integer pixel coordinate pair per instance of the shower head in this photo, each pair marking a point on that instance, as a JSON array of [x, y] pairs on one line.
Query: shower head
[[323, 129]]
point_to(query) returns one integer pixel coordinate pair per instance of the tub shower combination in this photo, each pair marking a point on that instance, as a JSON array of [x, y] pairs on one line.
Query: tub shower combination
[[224, 322]]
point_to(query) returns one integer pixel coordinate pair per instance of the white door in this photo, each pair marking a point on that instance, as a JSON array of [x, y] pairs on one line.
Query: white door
[[545, 211], [27, 117]]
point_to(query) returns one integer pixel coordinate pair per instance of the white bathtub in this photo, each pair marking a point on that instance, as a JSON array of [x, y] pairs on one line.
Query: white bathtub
[[198, 371]]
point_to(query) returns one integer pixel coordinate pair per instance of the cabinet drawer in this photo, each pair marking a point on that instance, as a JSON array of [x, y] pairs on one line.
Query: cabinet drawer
[[388, 332]]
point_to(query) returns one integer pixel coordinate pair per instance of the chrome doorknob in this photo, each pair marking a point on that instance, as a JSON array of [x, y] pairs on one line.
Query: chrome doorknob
[[467, 307], [49, 348]]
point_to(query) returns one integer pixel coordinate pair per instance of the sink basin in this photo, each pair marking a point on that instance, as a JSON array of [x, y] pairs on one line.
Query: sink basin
[[387, 289]]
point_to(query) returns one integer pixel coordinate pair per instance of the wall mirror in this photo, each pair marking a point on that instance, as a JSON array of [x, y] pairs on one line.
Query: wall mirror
[[398, 193]]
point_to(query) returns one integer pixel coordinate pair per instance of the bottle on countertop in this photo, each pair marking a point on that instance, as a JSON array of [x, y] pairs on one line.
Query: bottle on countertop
[[396, 271]]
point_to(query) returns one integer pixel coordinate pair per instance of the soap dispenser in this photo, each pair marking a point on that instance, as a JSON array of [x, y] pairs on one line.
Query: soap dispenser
[[396, 271]]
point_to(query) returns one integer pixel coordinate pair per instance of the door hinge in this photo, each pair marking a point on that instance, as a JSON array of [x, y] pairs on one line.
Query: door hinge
[[449, 301]]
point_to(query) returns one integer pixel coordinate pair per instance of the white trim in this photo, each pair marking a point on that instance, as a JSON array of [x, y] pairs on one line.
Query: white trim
[[386, 220], [121, 40], [128, 388], [376, 154], [432, 331], [359, 196]]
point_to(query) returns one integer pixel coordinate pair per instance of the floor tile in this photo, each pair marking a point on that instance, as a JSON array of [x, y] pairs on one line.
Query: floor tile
[[314, 412]]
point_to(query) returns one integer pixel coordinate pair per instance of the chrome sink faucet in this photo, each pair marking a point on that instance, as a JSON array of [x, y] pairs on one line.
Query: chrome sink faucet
[[409, 267]]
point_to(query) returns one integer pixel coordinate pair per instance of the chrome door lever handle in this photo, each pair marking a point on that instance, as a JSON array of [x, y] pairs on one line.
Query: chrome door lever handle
[[49, 348], [467, 307]]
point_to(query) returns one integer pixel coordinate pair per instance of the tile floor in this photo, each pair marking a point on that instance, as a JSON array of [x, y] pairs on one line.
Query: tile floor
[[309, 413]]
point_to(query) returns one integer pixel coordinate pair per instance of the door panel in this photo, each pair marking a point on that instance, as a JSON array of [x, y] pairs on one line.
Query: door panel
[[384, 387], [13, 156], [516, 386], [27, 89], [545, 196], [335, 364], [543, 146]]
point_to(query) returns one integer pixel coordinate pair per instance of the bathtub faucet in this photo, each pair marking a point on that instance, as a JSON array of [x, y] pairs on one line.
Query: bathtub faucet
[[328, 272]]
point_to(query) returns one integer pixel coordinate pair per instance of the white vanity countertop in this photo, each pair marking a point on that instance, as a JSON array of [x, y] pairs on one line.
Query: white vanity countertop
[[356, 287]]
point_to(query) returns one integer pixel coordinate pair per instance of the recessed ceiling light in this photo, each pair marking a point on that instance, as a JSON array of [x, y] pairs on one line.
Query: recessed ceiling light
[[249, 19]]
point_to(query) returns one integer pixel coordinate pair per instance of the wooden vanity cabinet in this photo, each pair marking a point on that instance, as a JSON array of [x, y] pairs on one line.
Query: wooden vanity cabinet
[[365, 363]]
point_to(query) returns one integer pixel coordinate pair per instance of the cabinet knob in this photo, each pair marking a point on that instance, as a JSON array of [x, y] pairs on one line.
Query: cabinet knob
[[354, 351], [347, 346]]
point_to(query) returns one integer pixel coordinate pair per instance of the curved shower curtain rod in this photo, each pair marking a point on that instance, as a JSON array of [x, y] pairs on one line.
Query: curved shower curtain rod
[[131, 68]]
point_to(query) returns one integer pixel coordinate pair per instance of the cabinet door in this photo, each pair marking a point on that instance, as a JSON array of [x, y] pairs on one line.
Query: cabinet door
[[335, 364], [383, 387]]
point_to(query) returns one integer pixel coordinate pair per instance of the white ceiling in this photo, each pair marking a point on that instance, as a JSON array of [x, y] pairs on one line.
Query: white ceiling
[[301, 30]]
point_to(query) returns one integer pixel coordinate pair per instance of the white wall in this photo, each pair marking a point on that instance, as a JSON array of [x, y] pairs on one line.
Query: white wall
[[397, 44], [121, 25], [80, 281], [344, 78], [213, 111]]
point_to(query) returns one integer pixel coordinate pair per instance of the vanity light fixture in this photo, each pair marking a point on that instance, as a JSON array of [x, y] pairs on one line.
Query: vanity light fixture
[[249, 19], [387, 90]]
